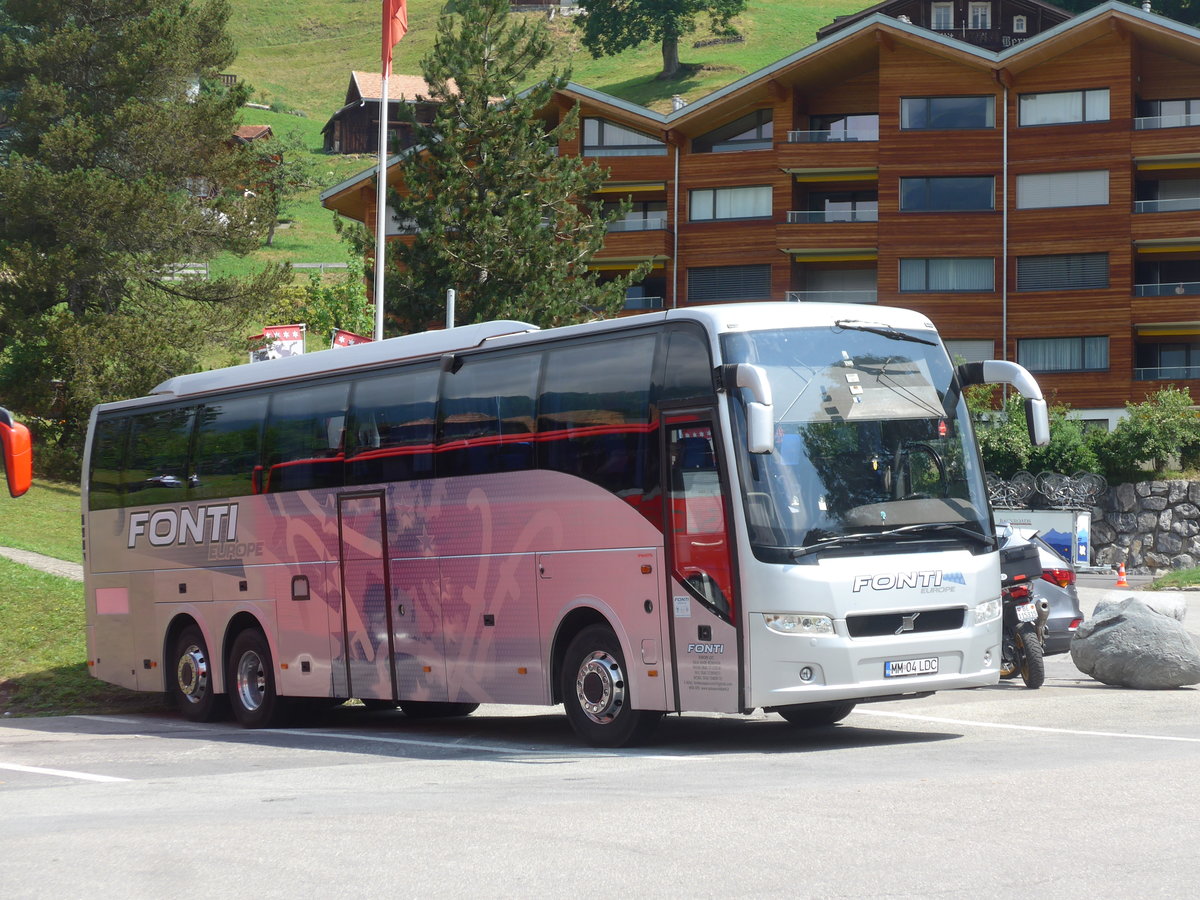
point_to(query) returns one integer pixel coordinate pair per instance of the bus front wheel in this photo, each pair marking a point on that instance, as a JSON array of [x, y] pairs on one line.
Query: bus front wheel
[[252, 682], [191, 682], [595, 691]]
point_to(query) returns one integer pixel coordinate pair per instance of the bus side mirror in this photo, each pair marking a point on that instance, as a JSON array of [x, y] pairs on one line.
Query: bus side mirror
[[760, 414], [998, 371], [18, 453]]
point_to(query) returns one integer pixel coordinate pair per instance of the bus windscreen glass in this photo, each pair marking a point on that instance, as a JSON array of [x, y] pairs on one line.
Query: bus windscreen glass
[[870, 437]]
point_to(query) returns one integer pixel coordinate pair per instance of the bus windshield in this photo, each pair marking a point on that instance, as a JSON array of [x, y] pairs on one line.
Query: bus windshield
[[873, 444]]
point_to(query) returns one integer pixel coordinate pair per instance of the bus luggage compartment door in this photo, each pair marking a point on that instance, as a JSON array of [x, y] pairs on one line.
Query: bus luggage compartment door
[[366, 612]]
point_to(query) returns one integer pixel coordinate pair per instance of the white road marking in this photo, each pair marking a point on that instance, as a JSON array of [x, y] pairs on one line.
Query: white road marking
[[968, 722], [61, 773]]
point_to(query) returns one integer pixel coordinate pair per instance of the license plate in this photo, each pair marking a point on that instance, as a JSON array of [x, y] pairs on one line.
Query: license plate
[[1026, 612], [900, 667]]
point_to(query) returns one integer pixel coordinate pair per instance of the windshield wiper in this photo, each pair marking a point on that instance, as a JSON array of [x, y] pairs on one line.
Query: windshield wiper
[[882, 330], [891, 533]]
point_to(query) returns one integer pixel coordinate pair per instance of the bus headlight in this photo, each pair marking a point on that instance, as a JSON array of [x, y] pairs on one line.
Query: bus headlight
[[798, 623], [987, 610]]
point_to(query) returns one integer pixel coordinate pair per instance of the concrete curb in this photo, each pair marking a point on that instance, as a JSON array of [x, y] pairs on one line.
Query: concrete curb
[[59, 567]]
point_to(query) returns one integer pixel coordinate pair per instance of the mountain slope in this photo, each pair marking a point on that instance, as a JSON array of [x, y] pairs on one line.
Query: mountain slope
[[299, 55]]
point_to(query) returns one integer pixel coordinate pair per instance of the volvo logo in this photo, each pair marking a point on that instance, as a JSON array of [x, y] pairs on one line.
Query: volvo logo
[[908, 623]]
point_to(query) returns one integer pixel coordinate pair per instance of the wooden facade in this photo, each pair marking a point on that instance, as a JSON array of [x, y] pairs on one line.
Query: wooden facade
[[355, 127], [1090, 231]]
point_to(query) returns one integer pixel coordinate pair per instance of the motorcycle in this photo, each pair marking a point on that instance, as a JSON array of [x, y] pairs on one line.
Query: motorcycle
[[1024, 615]]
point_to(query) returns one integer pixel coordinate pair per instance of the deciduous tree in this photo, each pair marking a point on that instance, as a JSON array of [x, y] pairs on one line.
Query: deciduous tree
[[610, 26]]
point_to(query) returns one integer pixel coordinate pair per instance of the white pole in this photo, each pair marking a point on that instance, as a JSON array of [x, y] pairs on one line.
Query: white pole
[[450, 308], [381, 206]]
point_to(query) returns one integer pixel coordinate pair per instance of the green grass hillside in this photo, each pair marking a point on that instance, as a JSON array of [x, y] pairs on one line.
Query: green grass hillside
[[299, 55], [298, 58]]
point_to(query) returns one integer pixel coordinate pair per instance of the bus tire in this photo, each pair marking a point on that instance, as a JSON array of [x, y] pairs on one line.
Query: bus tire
[[251, 677], [595, 692], [191, 687], [815, 715], [430, 709]]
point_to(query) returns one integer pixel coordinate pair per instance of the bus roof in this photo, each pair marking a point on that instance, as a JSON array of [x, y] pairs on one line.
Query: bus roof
[[718, 319]]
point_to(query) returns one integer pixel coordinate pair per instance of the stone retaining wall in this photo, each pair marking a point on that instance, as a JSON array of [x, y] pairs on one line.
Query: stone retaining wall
[[1151, 526]]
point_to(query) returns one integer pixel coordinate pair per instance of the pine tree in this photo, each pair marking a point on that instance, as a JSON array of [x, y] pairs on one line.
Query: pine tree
[[495, 213], [116, 165]]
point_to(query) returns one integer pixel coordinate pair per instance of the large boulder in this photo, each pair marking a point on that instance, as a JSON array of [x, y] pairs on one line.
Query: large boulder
[[1130, 644]]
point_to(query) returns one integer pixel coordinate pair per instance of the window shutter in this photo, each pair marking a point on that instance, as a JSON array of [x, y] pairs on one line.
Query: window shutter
[[711, 283], [1068, 272]]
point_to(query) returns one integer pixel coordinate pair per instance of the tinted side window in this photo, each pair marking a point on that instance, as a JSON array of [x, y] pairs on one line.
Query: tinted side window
[[485, 418], [228, 447], [156, 462], [392, 419], [303, 438], [108, 451], [688, 374], [594, 416]]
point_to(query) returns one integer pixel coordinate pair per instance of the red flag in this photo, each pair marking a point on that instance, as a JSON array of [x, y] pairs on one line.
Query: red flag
[[343, 338], [395, 26]]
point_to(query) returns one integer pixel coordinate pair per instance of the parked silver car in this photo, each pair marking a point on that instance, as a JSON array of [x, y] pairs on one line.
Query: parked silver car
[[1057, 586]]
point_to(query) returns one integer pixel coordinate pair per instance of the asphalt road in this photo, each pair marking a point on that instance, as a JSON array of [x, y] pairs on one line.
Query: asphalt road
[[1074, 790]]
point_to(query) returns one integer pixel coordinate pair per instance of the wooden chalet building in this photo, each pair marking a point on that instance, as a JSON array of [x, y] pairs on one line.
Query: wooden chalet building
[[990, 24], [1039, 203], [355, 127]]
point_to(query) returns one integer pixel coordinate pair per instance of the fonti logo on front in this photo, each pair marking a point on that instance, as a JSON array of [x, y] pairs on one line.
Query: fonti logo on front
[[930, 578], [203, 525]]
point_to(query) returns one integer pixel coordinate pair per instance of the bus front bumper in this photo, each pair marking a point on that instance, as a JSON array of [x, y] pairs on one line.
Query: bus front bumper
[[789, 669]]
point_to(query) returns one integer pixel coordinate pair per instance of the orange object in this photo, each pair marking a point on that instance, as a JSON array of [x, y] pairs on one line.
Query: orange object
[[1121, 582]]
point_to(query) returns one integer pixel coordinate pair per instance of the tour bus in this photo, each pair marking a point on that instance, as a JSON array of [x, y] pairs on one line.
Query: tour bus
[[17, 453], [768, 506]]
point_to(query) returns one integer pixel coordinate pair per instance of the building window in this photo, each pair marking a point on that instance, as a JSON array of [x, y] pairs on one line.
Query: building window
[[604, 138], [859, 127], [954, 194], [942, 17], [1019, 24], [1054, 189], [1070, 354], [751, 132], [921, 113], [838, 206], [971, 351], [980, 16], [708, 284], [1064, 107], [642, 215], [948, 275], [1167, 360], [730, 203], [1066, 272], [1167, 113]]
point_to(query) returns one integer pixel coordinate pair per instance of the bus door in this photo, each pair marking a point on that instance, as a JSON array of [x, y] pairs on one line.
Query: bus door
[[366, 612], [704, 602]]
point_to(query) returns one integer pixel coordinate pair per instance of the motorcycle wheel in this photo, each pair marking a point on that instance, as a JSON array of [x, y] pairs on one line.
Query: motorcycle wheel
[[1033, 662]]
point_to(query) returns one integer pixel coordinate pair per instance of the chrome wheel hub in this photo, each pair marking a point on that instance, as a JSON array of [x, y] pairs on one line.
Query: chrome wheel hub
[[191, 674], [251, 681], [600, 687]]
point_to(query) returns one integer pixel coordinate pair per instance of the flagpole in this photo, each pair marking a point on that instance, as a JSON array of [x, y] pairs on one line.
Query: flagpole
[[381, 203]]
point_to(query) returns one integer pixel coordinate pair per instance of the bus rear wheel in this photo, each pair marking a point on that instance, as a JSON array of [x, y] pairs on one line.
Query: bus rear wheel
[[595, 692], [815, 715], [252, 682], [191, 684]]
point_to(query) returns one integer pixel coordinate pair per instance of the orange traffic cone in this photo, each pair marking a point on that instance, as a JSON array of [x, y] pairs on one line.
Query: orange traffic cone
[[1121, 582]]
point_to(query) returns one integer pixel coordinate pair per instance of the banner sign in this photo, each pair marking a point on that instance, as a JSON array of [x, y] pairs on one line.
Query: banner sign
[[343, 338], [279, 341]]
